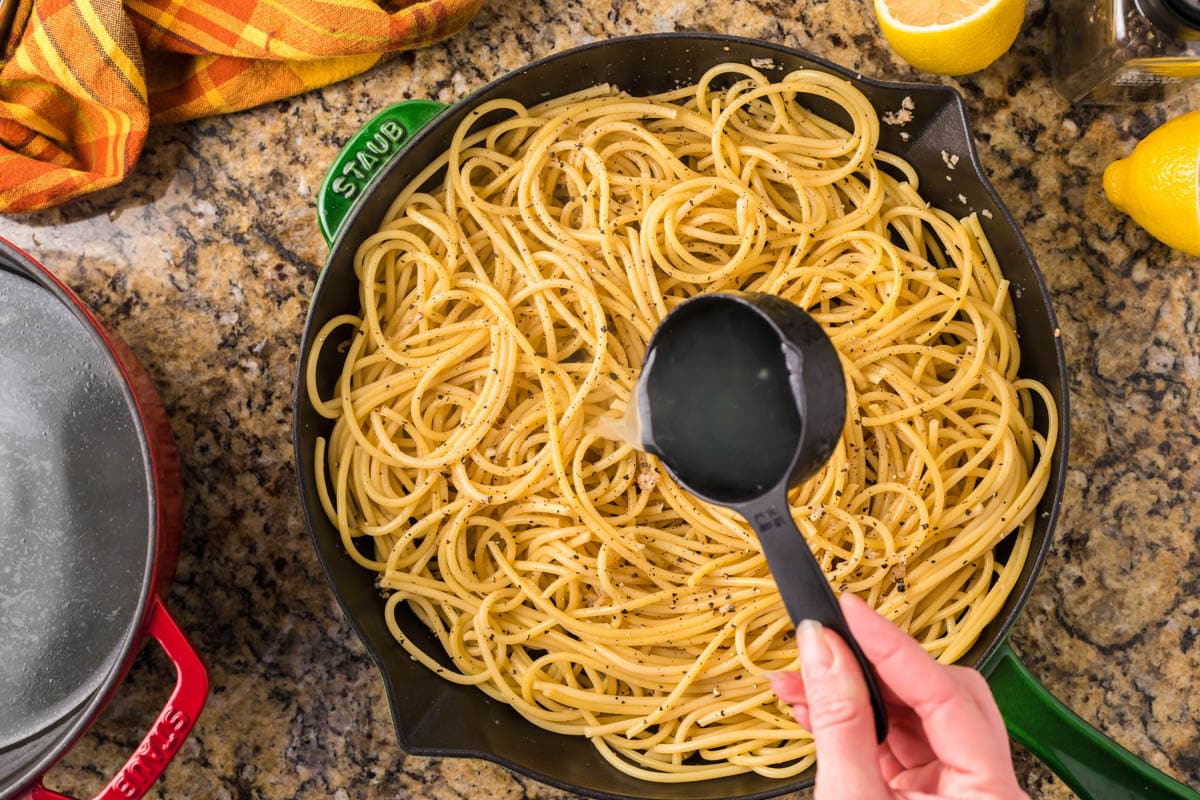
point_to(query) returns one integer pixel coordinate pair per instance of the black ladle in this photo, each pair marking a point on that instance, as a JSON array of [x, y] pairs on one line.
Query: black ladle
[[742, 397]]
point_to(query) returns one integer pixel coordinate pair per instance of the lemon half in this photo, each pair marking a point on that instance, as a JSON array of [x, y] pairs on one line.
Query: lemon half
[[950, 37], [1159, 183]]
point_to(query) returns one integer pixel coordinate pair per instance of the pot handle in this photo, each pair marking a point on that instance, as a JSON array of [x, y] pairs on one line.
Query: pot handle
[[1095, 767], [174, 722], [365, 156]]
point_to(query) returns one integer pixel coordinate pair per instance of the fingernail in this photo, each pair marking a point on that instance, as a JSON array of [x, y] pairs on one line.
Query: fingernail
[[815, 655]]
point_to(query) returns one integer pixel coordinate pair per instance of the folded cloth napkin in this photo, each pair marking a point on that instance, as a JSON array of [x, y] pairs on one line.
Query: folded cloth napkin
[[81, 81]]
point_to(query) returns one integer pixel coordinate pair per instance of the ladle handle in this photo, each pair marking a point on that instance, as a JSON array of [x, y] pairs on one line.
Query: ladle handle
[[804, 587]]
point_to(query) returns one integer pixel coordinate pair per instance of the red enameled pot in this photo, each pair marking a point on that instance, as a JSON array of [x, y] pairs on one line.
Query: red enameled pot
[[90, 521]]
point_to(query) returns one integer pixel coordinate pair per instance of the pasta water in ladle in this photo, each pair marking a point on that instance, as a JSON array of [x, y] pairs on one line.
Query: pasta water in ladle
[[742, 397]]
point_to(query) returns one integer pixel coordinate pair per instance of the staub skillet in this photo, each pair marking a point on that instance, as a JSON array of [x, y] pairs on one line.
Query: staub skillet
[[434, 717]]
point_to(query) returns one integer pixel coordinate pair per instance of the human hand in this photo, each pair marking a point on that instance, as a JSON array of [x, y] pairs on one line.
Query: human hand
[[945, 740]]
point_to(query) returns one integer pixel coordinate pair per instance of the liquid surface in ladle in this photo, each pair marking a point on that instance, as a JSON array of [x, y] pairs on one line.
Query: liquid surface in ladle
[[722, 413]]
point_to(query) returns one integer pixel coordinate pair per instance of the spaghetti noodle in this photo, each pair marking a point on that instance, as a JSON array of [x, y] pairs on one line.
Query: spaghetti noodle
[[504, 314]]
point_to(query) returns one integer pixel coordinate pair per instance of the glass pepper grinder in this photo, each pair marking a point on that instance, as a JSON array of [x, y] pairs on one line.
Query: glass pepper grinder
[[1124, 51]]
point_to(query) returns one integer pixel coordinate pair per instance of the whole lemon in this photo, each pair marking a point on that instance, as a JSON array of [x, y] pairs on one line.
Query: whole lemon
[[951, 37], [1158, 185]]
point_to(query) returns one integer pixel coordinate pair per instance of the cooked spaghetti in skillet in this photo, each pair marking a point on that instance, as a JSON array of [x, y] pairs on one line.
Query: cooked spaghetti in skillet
[[504, 314]]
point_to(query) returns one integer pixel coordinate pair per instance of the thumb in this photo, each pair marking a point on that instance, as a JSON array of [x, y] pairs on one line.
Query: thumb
[[839, 709]]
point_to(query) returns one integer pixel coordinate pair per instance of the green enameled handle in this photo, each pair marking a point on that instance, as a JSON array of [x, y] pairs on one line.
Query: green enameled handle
[[365, 155], [1096, 768]]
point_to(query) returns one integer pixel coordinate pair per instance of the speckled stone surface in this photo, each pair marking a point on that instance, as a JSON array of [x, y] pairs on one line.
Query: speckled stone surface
[[204, 259]]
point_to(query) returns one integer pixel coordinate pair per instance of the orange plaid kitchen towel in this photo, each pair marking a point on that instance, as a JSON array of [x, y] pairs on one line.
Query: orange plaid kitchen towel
[[81, 81]]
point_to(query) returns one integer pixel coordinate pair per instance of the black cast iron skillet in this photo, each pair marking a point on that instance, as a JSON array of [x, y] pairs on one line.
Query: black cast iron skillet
[[90, 520], [434, 717]]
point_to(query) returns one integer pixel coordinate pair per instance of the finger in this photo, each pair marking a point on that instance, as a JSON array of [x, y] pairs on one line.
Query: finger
[[906, 734], [839, 711], [906, 737], [905, 746], [957, 730], [789, 687], [889, 765], [977, 686], [902, 794], [924, 778], [800, 714]]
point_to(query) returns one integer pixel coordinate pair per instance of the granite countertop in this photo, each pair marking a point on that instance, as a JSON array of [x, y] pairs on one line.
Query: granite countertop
[[204, 261]]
